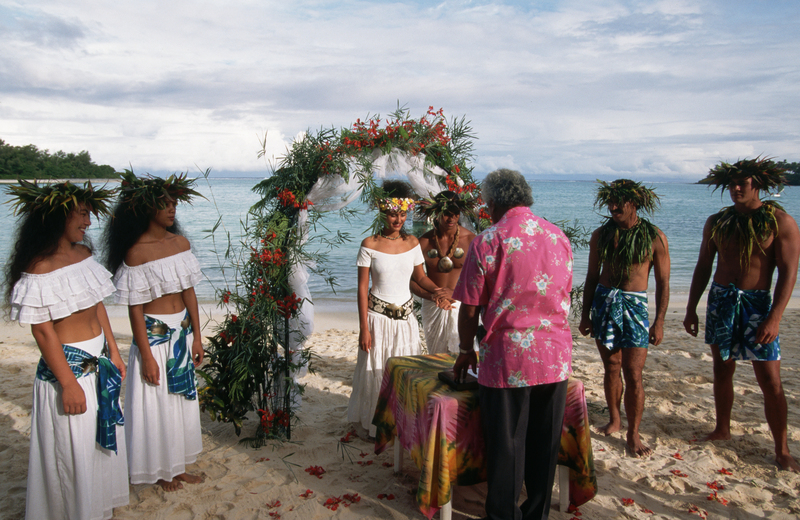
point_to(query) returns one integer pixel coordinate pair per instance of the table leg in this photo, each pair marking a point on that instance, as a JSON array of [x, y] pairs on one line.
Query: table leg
[[446, 512], [398, 456], [563, 488]]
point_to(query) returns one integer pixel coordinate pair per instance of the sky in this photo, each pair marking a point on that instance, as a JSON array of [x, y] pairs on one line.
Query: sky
[[571, 89]]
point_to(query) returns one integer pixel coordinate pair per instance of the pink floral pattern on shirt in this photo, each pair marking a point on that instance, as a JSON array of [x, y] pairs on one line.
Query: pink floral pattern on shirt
[[520, 272]]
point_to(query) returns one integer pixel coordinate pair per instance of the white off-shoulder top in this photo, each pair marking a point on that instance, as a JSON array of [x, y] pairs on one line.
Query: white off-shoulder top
[[38, 298], [390, 273], [144, 283]]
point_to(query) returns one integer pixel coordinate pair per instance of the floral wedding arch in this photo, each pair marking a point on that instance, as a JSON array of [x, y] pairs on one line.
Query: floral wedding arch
[[257, 353]]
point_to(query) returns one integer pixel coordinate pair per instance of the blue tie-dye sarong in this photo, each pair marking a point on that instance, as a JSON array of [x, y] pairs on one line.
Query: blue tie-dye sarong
[[732, 320], [620, 318], [109, 383]]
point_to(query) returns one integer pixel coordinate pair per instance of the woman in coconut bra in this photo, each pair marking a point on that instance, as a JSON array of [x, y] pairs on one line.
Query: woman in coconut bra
[[387, 326], [77, 467], [155, 277]]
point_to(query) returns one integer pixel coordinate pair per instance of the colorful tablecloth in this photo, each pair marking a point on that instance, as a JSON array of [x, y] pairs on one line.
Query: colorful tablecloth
[[441, 429]]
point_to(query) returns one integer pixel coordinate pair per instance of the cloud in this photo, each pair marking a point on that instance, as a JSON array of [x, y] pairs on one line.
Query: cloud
[[555, 88]]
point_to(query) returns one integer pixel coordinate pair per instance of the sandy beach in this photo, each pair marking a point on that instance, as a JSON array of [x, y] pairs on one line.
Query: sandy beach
[[271, 482]]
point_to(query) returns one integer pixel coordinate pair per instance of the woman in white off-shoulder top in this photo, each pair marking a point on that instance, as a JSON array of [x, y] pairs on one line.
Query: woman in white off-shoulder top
[[155, 274], [77, 467], [387, 326]]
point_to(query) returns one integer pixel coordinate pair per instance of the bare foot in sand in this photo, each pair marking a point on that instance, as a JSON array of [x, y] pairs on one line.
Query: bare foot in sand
[[170, 485], [717, 435], [609, 428], [787, 463], [638, 450], [189, 478]]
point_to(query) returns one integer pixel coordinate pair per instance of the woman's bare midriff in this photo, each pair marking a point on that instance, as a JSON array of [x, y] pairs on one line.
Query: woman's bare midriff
[[79, 326], [167, 304]]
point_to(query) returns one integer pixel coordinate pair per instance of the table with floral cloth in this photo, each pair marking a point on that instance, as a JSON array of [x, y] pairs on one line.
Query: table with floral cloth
[[441, 429]]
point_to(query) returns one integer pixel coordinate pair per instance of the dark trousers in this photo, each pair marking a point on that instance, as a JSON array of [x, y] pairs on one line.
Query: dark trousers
[[522, 430]]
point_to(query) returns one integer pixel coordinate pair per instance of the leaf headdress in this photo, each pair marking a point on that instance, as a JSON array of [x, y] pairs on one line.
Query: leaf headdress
[[766, 174], [626, 190], [154, 192], [448, 202], [29, 197]]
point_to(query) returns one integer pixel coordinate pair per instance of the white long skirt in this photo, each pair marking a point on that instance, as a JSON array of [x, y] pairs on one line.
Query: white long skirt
[[441, 327], [390, 338], [69, 475], [162, 429]]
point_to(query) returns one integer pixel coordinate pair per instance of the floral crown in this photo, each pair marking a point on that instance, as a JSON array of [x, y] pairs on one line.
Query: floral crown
[[766, 174], [448, 202], [154, 192], [626, 190], [29, 197], [395, 205]]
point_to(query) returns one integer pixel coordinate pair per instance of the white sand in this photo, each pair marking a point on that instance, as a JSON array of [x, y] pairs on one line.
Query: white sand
[[241, 482]]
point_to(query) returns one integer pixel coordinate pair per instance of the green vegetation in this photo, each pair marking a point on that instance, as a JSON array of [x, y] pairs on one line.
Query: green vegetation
[[792, 174], [28, 162]]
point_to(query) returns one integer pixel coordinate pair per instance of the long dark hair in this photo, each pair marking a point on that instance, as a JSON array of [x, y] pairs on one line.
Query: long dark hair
[[37, 237], [393, 188], [124, 229]]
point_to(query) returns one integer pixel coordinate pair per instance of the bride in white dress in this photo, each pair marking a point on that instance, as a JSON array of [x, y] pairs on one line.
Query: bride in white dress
[[387, 326]]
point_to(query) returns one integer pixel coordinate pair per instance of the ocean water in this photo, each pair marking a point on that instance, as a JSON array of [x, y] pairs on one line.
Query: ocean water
[[683, 212]]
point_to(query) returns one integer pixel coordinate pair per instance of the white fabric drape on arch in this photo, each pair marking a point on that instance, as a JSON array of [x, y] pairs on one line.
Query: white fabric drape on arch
[[331, 193]]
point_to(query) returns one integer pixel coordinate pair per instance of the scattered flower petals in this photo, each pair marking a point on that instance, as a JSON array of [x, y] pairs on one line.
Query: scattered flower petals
[[262, 459], [602, 449], [699, 512], [572, 508], [333, 503], [274, 504], [362, 454], [678, 456], [387, 464], [387, 497], [274, 514], [348, 437], [723, 471], [352, 498], [365, 462], [648, 511], [627, 501], [715, 496], [306, 494], [316, 471], [716, 485], [678, 473]]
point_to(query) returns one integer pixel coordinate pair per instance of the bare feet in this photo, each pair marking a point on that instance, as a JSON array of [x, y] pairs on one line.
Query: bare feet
[[189, 478], [609, 428], [717, 435], [787, 463], [170, 485], [638, 450]]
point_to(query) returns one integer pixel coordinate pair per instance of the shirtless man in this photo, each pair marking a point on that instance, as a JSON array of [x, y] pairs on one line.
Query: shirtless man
[[443, 247], [740, 322], [615, 299]]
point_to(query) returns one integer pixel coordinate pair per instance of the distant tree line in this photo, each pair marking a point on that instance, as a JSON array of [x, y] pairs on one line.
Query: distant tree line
[[792, 173], [28, 162]]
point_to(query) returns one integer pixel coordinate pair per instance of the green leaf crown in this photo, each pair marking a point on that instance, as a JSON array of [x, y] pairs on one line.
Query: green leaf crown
[[766, 174], [626, 190], [154, 192], [455, 203], [29, 197]]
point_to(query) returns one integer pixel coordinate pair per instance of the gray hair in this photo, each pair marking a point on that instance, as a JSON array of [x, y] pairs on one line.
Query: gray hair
[[506, 189]]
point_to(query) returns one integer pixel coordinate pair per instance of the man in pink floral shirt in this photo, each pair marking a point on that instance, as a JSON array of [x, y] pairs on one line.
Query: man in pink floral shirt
[[518, 275]]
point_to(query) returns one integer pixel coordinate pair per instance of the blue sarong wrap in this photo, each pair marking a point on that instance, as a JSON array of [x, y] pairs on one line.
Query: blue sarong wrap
[[732, 320], [109, 384], [180, 368], [620, 318]]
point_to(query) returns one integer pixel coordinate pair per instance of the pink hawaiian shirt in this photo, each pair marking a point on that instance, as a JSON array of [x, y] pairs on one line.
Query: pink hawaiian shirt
[[520, 272]]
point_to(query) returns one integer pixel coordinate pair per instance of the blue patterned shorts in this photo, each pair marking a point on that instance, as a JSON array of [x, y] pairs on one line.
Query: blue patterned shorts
[[620, 318]]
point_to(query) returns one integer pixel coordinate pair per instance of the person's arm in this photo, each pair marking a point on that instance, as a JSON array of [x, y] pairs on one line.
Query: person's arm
[[467, 328], [787, 252], [113, 351], [700, 278], [661, 265], [364, 336], [150, 372], [190, 301], [589, 288], [419, 276], [72, 396]]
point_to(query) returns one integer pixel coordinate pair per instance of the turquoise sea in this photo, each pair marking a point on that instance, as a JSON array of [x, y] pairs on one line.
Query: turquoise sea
[[683, 212]]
